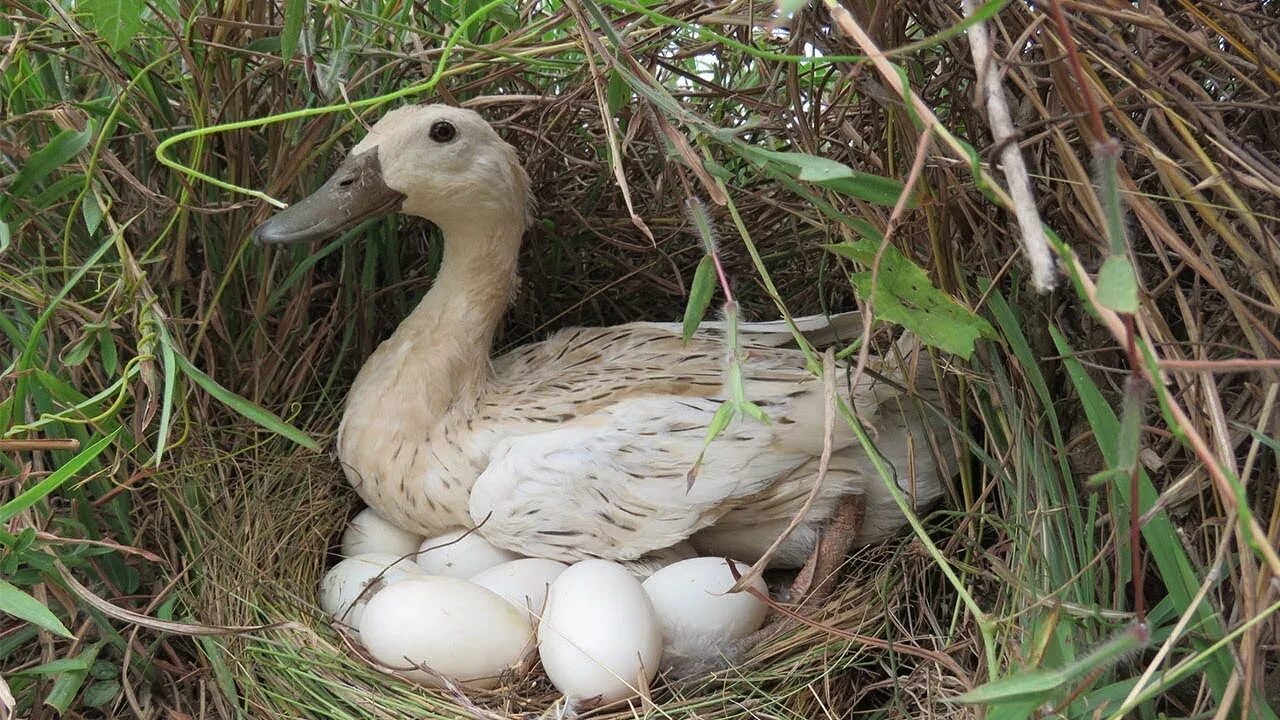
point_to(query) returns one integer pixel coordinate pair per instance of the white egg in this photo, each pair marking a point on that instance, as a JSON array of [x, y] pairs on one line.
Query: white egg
[[454, 627], [460, 554], [368, 532], [599, 638], [345, 590], [697, 614], [524, 582]]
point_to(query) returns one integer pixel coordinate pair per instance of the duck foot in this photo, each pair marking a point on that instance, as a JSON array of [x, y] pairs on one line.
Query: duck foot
[[815, 581]]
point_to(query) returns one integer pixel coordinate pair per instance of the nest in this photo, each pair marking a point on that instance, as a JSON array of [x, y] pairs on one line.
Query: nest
[[241, 523]]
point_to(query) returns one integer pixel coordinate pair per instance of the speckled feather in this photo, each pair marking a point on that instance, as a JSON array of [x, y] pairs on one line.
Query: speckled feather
[[581, 445]]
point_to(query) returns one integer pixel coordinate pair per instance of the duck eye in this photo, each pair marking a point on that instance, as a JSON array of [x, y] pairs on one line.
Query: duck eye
[[443, 131]]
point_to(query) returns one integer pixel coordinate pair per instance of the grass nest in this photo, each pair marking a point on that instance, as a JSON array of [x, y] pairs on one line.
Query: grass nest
[[155, 514]]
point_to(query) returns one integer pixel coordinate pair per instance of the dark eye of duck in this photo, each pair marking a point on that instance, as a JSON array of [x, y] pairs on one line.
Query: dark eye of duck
[[442, 131]]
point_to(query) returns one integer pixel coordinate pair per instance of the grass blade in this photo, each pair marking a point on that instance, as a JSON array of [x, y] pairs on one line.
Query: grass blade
[[21, 605], [261, 416]]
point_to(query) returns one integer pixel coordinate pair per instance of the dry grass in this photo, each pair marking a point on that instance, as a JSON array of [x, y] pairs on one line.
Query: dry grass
[[240, 521]]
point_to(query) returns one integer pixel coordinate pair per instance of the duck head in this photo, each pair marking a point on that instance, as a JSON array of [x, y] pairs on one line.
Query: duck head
[[442, 163]]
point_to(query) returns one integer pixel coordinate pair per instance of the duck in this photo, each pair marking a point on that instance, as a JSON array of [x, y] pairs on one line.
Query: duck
[[581, 446]]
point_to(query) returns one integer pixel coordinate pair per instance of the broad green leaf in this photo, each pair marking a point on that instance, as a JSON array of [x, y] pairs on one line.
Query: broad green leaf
[[1107, 156], [704, 284], [753, 410], [1117, 285], [21, 605], [829, 174], [4, 236], [809, 167], [56, 667], [617, 92], [107, 349], [1131, 416], [79, 352], [294, 12], [92, 213], [70, 182], [1021, 686], [117, 21], [101, 693], [789, 7], [64, 146], [903, 294], [55, 479], [248, 410], [720, 421], [1015, 710], [716, 170], [67, 686], [872, 188]]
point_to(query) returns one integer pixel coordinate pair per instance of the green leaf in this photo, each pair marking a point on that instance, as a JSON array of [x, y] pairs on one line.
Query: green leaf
[[21, 605], [1030, 685], [103, 670], [117, 21], [1130, 437], [789, 7], [1117, 285], [720, 421], [64, 146], [248, 410], [809, 167], [4, 236], [101, 693], [872, 188], [903, 294], [79, 352], [617, 92], [753, 410], [55, 479], [107, 349], [829, 174], [67, 686], [294, 12], [170, 368], [56, 667], [92, 213], [704, 284], [265, 45]]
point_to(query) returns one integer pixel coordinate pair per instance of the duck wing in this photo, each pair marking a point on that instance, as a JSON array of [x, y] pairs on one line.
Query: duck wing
[[616, 484], [603, 427]]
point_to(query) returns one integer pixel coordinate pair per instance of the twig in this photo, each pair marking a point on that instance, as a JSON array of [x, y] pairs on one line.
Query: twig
[[930, 121], [942, 659], [1034, 243], [38, 445]]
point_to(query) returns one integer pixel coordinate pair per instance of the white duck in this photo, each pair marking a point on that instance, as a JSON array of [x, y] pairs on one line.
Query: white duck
[[579, 446]]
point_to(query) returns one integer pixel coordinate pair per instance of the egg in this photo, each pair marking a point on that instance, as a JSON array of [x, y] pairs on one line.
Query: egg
[[524, 582], [346, 589], [454, 627], [599, 638], [460, 554], [368, 532], [699, 618]]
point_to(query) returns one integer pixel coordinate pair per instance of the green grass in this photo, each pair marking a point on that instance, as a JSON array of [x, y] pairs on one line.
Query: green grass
[[168, 392]]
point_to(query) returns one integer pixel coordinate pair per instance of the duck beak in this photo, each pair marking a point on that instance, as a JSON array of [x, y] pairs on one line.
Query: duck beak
[[356, 192]]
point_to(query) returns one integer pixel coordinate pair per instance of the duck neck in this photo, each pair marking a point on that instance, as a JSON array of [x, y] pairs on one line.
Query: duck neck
[[443, 347]]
